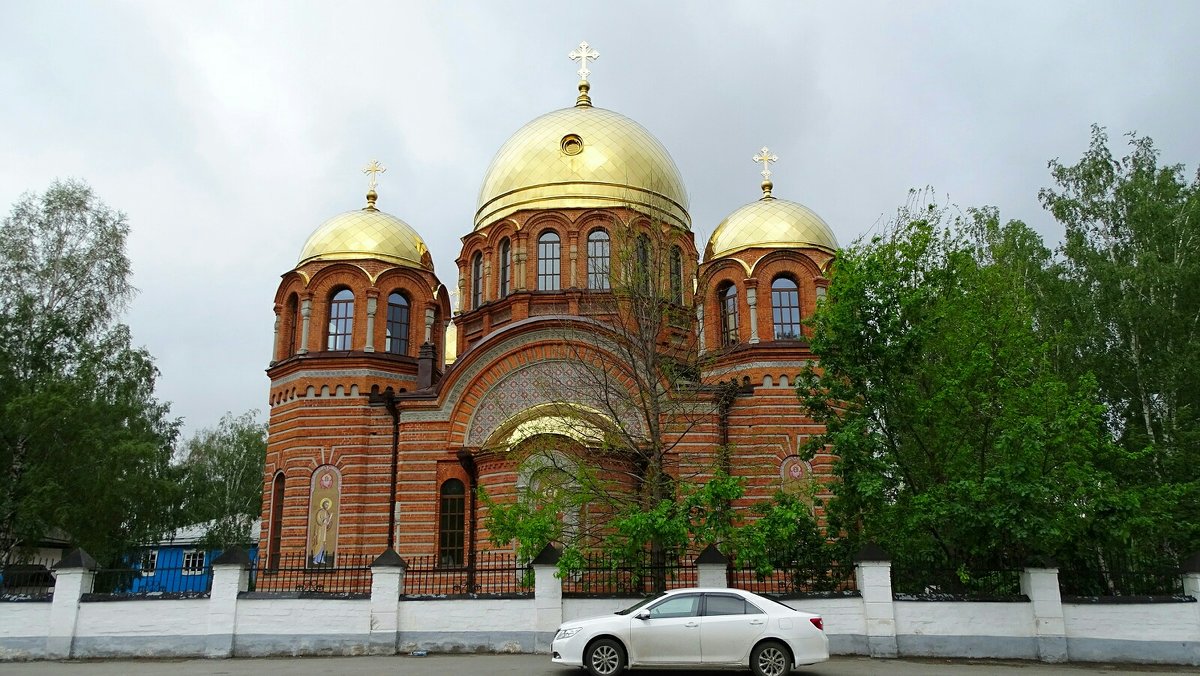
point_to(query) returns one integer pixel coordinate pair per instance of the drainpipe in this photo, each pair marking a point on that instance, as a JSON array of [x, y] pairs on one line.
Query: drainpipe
[[468, 464], [388, 399]]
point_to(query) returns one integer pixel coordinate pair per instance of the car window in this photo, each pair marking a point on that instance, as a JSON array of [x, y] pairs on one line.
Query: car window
[[641, 603], [722, 604], [752, 609], [676, 606]]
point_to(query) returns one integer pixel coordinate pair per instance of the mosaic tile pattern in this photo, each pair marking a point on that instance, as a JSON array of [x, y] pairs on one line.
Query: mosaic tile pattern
[[366, 233], [621, 164], [771, 223]]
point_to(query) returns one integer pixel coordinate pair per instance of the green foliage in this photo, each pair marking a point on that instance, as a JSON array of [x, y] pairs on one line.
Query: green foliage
[[223, 478], [84, 444], [783, 534]]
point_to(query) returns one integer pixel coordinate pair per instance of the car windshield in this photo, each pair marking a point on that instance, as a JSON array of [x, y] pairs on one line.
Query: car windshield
[[641, 603]]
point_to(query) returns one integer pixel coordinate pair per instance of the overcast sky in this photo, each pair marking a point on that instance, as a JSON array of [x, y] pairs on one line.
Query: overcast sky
[[228, 131]]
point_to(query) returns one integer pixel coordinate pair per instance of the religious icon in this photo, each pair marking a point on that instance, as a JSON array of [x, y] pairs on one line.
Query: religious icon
[[324, 502], [793, 471], [323, 519]]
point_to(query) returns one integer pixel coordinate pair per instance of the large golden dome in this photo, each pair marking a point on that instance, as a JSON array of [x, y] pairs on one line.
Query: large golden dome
[[582, 157], [367, 233], [770, 223]]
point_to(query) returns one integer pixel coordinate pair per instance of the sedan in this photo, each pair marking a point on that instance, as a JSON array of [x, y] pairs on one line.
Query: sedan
[[695, 628]]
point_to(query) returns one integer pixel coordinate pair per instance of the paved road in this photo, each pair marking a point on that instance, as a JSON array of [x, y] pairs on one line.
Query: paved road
[[530, 665]]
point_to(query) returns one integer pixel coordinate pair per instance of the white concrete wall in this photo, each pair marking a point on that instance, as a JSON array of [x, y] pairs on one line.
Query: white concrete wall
[[467, 625], [135, 628], [965, 629], [23, 627], [302, 627], [1163, 633], [575, 609]]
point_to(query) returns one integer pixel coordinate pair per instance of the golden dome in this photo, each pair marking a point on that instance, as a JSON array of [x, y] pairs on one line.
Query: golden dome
[[770, 223], [367, 233], [582, 157]]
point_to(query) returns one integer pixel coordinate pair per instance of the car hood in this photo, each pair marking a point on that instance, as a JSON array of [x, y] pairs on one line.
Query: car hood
[[610, 619]]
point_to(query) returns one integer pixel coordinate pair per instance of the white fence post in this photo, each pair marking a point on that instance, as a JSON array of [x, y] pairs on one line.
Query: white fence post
[[873, 572], [74, 577], [230, 577], [712, 568], [387, 580], [547, 598], [1049, 627]]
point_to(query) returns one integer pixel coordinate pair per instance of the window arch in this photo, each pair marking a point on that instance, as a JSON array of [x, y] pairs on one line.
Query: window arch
[[476, 280], [677, 275], [341, 320], [785, 308], [276, 522], [549, 261], [452, 514], [397, 323], [505, 268], [728, 300], [599, 259]]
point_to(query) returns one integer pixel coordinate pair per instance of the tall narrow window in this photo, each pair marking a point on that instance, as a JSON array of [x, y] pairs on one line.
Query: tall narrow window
[[505, 267], [397, 324], [341, 320], [276, 522], [476, 281], [599, 254], [293, 318], [785, 306], [549, 261], [451, 523], [727, 297], [677, 275], [643, 271]]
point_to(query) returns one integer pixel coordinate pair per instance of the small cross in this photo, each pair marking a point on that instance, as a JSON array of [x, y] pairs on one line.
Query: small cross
[[374, 169], [583, 54], [766, 158]]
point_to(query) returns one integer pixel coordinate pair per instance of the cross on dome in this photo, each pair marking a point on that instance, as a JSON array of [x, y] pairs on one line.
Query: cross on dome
[[766, 157], [583, 53], [373, 169]]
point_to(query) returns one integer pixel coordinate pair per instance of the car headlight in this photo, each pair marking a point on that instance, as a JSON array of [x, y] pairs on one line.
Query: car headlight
[[567, 633]]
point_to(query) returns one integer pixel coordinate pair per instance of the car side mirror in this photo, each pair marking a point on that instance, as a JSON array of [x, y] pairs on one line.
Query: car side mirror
[[643, 615]]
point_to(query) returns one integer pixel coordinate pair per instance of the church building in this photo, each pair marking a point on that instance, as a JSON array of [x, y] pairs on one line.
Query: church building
[[394, 398]]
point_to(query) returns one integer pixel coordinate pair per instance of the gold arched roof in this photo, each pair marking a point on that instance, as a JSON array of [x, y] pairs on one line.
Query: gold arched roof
[[367, 233], [773, 223], [582, 157]]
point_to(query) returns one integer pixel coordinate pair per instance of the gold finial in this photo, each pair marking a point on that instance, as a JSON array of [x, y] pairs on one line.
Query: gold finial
[[766, 158], [583, 53], [374, 169]]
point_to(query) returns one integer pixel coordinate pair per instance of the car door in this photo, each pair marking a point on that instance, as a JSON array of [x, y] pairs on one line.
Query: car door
[[671, 633], [728, 628]]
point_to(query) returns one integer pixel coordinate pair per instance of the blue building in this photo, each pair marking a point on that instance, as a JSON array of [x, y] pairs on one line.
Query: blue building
[[178, 563]]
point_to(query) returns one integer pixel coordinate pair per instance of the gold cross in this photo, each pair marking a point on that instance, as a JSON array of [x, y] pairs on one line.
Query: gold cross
[[766, 158], [583, 54], [374, 168]]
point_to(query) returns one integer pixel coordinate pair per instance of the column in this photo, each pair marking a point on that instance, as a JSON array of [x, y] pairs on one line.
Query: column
[[275, 340], [231, 576], [74, 577], [752, 299], [1050, 629], [372, 306], [387, 580], [547, 599], [700, 326], [712, 568], [873, 572], [305, 314]]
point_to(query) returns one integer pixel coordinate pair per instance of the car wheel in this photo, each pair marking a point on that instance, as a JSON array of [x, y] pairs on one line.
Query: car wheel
[[604, 657], [770, 658]]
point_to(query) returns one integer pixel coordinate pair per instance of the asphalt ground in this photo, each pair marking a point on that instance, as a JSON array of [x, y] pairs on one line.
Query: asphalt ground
[[536, 665]]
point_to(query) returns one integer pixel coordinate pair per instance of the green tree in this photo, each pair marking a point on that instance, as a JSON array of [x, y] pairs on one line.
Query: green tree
[[84, 444], [1130, 315], [223, 477], [956, 437]]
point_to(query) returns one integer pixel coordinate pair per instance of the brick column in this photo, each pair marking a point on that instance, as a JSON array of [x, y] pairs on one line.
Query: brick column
[[231, 576], [1050, 629], [387, 581], [372, 307], [873, 572], [712, 568], [752, 299], [74, 577], [305, 314], [547, 598]]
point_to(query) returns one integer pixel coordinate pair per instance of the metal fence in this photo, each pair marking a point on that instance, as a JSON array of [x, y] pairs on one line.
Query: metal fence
[[488, 574], [936, 579], [1114, 575], [346, 576], [33, 579], [152, 582], [603, 575], [795, 580]]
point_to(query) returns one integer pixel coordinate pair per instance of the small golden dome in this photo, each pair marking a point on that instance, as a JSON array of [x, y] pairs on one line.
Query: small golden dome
[[367, 233], [582, 157], [770, 223]]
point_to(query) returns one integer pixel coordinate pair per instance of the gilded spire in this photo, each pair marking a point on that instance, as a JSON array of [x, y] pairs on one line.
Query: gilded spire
[[766, 158], [583, 53], [373, 169]]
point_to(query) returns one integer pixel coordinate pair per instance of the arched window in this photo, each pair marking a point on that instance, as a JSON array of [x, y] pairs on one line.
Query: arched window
[[599, 254], [677, 275], [341, 320], [643, 271], [276, 522], [727, 297], [397, 324], [785, 306], [476, 281], [505, 267], [452, 514], [293, 333], [549, 261]]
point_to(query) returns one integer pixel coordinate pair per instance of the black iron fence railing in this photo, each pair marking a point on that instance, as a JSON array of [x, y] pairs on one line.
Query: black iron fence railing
[[603, 575], [796, 580], [345, 576], [937, 579], [492, 574], [1113, 576], [32, 579], [151, 582]]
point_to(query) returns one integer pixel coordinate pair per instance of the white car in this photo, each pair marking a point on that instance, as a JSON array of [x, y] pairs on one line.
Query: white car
[[695, 628]]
